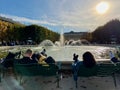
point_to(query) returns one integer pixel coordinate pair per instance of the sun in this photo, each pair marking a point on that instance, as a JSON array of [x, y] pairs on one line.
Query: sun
[[102, 7]]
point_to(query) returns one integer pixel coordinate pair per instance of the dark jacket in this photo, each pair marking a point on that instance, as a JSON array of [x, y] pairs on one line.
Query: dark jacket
[[27, 60]]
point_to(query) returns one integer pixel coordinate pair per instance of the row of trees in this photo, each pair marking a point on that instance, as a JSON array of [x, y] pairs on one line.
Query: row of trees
[[19, 33], [106, 34], [109, 33], [37, 34], [14, 32]]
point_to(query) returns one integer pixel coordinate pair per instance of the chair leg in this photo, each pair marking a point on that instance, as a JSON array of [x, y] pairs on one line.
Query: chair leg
[[76, 84], [75, 79], [58, 83], [0, 74], [20, 80], [114, 79], [58, 79], [16, 75], [0, 77]]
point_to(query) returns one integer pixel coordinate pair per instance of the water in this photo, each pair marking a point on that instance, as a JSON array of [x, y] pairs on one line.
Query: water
[[61, 38], [65, 53], [46, 43]]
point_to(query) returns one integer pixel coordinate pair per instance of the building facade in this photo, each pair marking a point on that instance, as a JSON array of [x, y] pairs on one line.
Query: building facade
[[74, 35]]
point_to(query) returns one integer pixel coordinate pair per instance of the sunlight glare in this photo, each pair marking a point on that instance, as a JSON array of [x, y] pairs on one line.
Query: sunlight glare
[[102, 7]]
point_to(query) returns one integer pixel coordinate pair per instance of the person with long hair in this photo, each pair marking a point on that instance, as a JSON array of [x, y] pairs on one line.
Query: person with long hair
[[88, 60]]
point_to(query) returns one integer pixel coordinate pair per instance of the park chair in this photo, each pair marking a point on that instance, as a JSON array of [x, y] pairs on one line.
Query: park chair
[[118, 67], [107, 69], [86, 72], [0, 72], [32, 70], [8, 62], [101, 70], [4, 70]]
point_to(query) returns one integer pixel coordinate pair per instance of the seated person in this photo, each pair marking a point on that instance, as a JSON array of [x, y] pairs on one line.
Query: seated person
[[9, 59], [45, 60], [49, 60], [27, 58], [76, 61], [112, 57], [44, 52], [75, 66], [42, 59], [35, 56], [118, 54], [88, 60]]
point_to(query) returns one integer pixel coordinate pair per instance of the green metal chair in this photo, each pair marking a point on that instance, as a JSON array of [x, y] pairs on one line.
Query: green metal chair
[[105, 70], [36, 70], [118, 68], [0, 72], [86, 72], [101, 70]]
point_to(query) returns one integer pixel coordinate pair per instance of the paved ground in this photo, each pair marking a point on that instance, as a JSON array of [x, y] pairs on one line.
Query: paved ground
[[1, 86], [10, 83], [67, 83]]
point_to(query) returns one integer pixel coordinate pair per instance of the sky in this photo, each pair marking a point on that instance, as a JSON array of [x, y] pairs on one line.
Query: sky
[[60, 15]]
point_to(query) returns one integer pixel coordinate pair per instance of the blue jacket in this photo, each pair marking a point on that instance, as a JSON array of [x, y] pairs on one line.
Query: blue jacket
[[75, 68]]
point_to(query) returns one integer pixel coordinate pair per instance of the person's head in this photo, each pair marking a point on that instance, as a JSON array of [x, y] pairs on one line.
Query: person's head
[[110, 51], [75, 57], [28, 53], [44, 50], [88, 59]]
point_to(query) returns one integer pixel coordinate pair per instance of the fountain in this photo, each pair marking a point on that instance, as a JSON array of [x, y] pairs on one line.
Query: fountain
[[77, 42], [61, 51], [46, 43], [61, 38]]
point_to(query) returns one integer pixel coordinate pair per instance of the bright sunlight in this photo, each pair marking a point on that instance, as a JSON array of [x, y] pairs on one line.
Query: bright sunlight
[[102, 7]]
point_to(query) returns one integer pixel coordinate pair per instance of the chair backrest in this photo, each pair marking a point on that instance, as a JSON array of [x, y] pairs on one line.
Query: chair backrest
[[27, 69], [106, 69], [117, 67], [49, 70], [36, 69], [87, 72]]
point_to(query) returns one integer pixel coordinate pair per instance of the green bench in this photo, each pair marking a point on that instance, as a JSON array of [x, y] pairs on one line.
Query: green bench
[[101, 70], [86, 72], [31, 70], [109, 69]]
